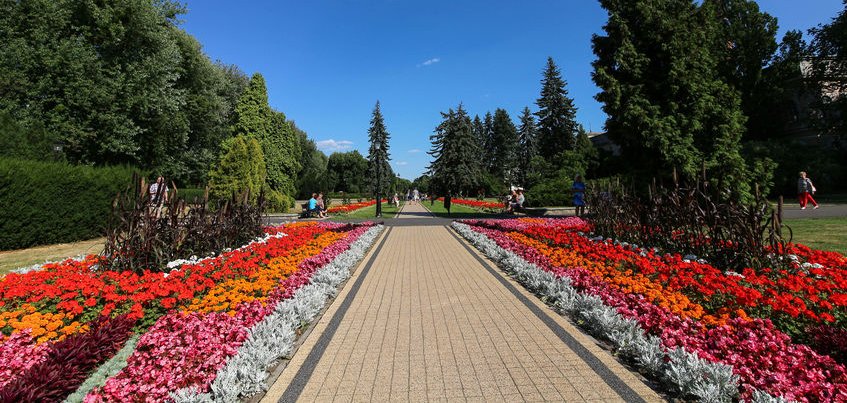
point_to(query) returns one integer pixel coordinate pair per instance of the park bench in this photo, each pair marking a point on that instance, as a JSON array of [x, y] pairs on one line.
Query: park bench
[[306, 213], [531, 211]]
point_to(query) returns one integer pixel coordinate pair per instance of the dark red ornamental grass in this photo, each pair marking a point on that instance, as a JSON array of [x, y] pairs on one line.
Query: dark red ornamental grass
[[829, 340], [70, 362]]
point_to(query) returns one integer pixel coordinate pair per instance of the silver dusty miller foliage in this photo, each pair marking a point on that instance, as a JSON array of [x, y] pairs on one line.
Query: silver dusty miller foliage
[[273, 338], [707, 381]]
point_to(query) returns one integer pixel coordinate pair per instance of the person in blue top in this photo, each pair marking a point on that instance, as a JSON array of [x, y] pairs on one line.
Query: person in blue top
[[313, 205], [578, 189]]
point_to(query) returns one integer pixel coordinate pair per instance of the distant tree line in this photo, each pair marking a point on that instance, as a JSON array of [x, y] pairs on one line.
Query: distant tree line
[[490, 155]]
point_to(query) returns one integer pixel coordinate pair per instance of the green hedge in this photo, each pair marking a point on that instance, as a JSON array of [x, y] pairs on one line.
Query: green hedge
[[190, 194], [54, 202]]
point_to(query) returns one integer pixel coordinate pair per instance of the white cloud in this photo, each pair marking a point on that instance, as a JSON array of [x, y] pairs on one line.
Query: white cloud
[[430, 62], [332, 145], [414, 151], [401, 163]]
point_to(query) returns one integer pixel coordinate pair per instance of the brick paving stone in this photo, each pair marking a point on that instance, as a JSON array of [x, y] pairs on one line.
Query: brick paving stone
[[429, 322]]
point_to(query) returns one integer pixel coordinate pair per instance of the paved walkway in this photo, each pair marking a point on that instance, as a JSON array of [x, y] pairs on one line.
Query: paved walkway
[[427, 319]]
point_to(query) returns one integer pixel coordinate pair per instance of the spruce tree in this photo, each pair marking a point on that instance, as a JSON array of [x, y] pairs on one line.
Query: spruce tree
[[453, 168], [487, 150], [378, 157], [505, 147], [481, 137], [556, 114], [668, 107], [527, 145]]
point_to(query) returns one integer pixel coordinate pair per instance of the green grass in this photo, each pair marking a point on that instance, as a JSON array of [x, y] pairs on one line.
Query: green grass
[[821, 233], [388, 211], [10, 260], [457, 211]]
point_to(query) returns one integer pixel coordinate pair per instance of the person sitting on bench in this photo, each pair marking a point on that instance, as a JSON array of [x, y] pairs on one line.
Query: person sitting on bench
[[313, 206], [517, 201]]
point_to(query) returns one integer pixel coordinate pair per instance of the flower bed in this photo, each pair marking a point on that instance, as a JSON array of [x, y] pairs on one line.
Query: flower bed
[[725, 318], [193, 319], [477, 204], [348, 208]]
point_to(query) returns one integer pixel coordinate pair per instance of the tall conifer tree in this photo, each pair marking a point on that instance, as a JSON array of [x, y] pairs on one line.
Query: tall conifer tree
[[487, 151], [252, 113], [505, 147], [556, 114], [527, 145], [668, 107], [453, 168], [378, 157], [282, 154], [280, 145], [480, 135]]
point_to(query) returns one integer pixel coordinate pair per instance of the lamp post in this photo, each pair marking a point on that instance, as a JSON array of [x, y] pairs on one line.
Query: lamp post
[[378, 181]]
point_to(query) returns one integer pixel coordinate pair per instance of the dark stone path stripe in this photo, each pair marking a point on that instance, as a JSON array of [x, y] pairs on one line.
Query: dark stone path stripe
[[611, 379], [295, 388]]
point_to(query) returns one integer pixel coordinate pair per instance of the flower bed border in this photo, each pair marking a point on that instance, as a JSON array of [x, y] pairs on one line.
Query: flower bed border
[[274, 338], [317, 272], [683, 369]]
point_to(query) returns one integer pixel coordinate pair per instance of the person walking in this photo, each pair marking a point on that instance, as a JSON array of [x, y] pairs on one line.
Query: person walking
[[805, 190], [578, 189]]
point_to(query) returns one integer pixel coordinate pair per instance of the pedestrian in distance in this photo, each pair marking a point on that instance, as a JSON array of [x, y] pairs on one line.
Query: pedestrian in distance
[[158, 196], [578, 189], [805, 190]]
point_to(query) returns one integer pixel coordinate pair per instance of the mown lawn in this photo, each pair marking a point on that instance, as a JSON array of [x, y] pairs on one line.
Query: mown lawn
[[10, 260], [457, 211], [388, 211], [821, 233]]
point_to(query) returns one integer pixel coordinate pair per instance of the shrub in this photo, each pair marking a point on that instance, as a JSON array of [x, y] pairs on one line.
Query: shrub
[[54, 202], [241, 169], [554, 192], [190, 195], [277, 202]]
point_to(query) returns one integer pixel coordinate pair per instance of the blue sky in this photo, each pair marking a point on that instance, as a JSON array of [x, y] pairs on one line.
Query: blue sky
[[326, 63]]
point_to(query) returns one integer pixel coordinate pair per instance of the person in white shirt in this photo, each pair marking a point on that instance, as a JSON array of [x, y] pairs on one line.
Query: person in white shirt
[[158, 195]]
